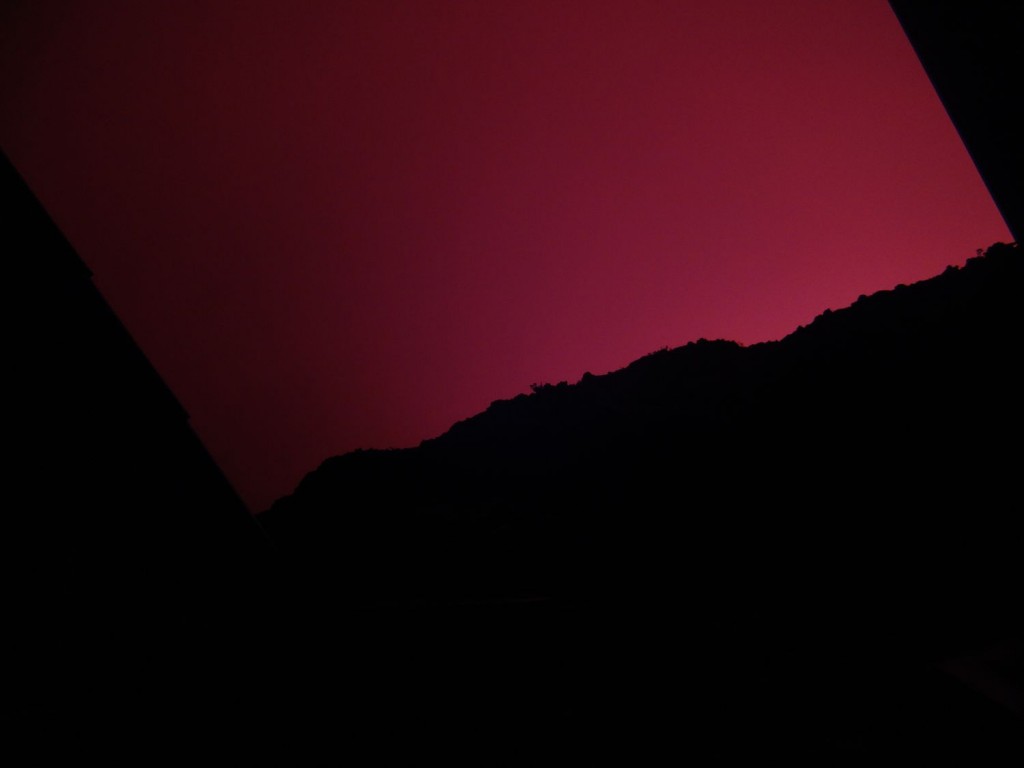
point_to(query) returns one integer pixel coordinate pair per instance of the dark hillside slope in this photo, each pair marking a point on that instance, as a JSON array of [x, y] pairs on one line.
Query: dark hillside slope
[[805, 549], [877, 433]]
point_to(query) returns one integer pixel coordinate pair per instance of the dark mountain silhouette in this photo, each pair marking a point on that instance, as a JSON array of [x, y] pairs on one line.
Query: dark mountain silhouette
[[910, 391], [805, 550], [802, 549], [791, 541]]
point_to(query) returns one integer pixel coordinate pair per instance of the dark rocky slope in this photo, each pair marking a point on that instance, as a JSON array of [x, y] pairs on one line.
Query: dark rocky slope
[[804, 549]]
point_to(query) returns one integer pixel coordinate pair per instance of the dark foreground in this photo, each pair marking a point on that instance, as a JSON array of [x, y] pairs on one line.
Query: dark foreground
[[806, 551]]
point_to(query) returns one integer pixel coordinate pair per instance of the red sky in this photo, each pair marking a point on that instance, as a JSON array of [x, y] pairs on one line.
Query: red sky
[[334, 225]]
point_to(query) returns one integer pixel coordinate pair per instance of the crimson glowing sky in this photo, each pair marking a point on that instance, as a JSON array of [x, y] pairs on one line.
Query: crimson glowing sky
[[334, 225]]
